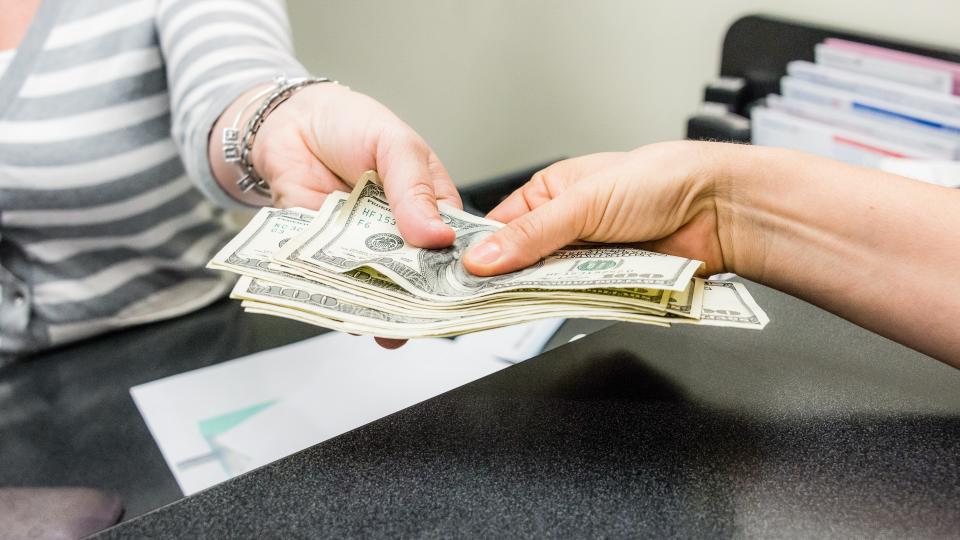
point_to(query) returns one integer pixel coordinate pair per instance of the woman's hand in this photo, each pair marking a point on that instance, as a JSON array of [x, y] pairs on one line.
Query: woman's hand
[[660, 196], [324, 137]]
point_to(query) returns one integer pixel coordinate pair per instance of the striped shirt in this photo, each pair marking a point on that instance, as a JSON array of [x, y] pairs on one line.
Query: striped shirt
[[108, 207]]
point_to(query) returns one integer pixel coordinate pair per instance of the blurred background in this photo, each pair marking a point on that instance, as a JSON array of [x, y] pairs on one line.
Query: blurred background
[[496, 85]]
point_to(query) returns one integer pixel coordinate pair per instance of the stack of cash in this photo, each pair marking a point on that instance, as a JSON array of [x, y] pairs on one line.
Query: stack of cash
[[347, 268]]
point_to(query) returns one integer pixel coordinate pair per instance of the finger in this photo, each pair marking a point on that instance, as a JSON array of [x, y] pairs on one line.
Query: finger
[[443, 186], [403, 162], [514, 206], [531, 236], [538, 190], [549, 183], [389, 343]]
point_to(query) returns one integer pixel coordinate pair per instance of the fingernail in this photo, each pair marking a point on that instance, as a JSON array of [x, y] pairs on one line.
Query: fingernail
[[437, 223], [485, 253]]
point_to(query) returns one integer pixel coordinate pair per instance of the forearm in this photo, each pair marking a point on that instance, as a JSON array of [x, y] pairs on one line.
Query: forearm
[[209, 64], [226, 173], [874, 248]]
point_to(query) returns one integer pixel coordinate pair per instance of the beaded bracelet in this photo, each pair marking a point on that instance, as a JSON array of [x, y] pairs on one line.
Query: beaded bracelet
[[239, 149]]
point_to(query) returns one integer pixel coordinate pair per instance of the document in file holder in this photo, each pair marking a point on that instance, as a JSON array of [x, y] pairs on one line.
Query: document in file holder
[[927, 77], [868, 106], [898, 56]]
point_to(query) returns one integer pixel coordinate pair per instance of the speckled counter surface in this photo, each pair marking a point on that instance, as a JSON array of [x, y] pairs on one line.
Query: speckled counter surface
[[813, 427]]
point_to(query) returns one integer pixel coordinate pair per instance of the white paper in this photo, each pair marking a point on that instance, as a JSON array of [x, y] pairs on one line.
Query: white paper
[[354, 383], [780, 129], [794, 88], [896, 131], [513, 343], [870, 86], [927, 77], [317, 388]]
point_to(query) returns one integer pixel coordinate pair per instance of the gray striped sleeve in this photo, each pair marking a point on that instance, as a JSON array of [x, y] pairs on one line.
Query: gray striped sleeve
[[216, 50]]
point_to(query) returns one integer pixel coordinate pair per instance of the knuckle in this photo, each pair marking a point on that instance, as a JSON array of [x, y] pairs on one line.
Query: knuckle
[[402, 137], [536, 191], [393, 142], [450, 197], [537, 186], [538, 176], [526, 230], [554, 168], [420, 190], [586, 216]]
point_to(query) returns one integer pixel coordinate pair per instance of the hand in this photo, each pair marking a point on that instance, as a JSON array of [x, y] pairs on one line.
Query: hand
[[661, 196], [848, 239], [325, 136]]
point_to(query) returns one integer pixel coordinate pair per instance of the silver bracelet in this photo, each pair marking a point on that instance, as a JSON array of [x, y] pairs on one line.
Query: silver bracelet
[[230, 138], [239, 149]]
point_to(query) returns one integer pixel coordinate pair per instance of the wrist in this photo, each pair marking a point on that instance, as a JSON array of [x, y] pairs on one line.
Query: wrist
[[741, 174], [226, 171], [298, 114]]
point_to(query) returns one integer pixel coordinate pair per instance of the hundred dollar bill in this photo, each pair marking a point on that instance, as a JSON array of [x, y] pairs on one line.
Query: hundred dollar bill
[[728, 303], [321, 308], [365, 234], [304, 317], [401, 331], [339, 267], [300, 316], [688, 303], [250, 253], [249, 288]]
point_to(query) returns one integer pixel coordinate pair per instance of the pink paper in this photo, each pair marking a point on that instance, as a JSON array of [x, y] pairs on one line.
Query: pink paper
[[899, 56]]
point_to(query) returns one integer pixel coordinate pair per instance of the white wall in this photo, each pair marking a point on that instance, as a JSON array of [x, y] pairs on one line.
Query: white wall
[[494, 85]]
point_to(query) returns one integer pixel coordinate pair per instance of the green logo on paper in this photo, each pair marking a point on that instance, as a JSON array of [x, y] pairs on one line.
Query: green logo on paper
[[593, 266]]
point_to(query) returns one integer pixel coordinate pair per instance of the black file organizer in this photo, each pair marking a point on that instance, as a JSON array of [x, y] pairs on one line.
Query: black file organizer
[[757, 48]]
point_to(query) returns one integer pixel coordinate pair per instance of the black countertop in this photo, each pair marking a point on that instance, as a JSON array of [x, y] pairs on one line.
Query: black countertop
[[813, 427], [67, 418]]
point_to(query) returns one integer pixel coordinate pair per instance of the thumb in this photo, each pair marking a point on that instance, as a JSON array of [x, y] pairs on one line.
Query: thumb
[[530, 237], [404, 163]]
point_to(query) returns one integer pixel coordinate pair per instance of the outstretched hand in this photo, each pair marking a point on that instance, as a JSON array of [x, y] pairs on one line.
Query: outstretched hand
[[325, 136], [660, 196]]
